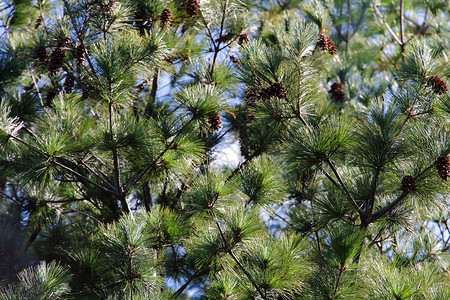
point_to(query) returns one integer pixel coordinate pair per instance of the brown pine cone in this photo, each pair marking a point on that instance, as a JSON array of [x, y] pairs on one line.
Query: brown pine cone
[[225, 38], [337, 92], [274, 90], [38, 22], [69, 82], [250, 99], [58, 55], [214, 121], [408, 184], [443, 166], [326, 44], [192, 8], [107, 6], [438, 85], [235, 60], [42, 54], [243, 39], [80, 54], [51, 94], [277, 90], [166, 17]]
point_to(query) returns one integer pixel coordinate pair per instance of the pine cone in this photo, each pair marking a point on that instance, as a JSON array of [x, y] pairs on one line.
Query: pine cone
[[225, 38], [277, 90], [250, 99], [438, 85], [274, 90], [443, 167], [42, 54], [80, 54], [214, 121], [326, 44], [38, 22], [58, 55], [107, 7], [69, 82], [408, 183], [166, 17], [235, 60], [243, 39], [51, 94], [192, 8], [337, 92]]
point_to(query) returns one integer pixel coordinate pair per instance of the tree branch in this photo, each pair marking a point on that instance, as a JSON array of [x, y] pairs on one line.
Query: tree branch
[[229, 251], [402, 29], [377, 12]]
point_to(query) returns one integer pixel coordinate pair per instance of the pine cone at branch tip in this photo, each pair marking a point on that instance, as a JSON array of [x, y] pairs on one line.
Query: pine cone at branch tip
[[326, 44], [408, 183], [192, 8], [243, 39], [437, 84], [166, 17], [214, 121], [337, 92], [443, 166]]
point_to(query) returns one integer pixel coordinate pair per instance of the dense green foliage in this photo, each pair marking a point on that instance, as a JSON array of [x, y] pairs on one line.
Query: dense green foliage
[[116, 118]]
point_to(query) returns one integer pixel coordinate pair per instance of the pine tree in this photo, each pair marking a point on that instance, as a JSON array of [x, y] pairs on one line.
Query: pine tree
[[115, 116]]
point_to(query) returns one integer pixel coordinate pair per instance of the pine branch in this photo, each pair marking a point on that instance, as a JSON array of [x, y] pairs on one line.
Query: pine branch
[[82, 177], [152, 97], [73, 172], [402, 29], [378, 214], [343, 186], [377, 12], [139, 175], [121, 194], [229, 251], [98, 176], [185, 285], [349, 19]]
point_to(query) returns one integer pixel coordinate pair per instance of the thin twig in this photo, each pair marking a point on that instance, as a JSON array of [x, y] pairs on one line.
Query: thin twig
[[402, 29], [377, 12], [349, 19]]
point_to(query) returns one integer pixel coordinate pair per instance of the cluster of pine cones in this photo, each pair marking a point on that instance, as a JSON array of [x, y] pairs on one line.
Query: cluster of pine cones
[[437, 84], [326, 44], [337, 92]]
